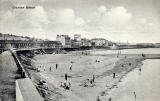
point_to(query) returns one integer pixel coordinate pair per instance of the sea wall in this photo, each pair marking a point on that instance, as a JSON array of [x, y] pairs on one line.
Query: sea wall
[[25, 91]]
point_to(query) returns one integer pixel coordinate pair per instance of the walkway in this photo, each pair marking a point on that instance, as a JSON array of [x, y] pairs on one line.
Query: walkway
[[8, 74]]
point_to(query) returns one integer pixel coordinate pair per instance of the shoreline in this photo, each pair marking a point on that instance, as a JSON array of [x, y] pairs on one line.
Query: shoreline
[[135, 83], [106, 92]]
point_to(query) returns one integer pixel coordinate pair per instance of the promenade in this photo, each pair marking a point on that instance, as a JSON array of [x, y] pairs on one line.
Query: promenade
[[8, 75]]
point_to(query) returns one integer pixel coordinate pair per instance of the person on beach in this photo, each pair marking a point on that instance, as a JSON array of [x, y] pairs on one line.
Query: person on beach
[[109, 98], [91, 82], [134, 93], [114, 75], [98, 99], [44, 68], [56, 65], [69, 85], [140, 69], [93, 78], [50, 68], [61, 84], [66, 76], [143, 55], [70, 68], [65, 84]]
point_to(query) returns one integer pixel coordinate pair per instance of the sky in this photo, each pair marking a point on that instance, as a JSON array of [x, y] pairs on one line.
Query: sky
[[135, 21]]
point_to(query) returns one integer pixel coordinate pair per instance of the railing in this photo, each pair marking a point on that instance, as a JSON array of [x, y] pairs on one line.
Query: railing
[[19, 65]]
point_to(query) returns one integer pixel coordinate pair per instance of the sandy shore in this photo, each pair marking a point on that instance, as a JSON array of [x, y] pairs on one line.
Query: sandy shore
[[83, 68]]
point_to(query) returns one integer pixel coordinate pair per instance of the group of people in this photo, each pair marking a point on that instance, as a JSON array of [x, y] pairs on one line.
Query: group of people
[[90, 81], [66, 85], [44, 68], [50, 68]]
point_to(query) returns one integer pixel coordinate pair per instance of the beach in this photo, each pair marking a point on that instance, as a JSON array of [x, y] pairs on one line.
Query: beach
[[84, 67]]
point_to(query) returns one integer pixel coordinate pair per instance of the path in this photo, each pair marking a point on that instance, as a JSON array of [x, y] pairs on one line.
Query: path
[[8, 70]]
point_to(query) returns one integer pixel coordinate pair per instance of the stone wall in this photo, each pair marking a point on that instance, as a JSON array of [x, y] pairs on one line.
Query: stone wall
[[26, 91]]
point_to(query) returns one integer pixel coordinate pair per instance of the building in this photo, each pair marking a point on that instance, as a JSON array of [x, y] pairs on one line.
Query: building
[[85, 42], [76, 42], [157, 45], [1, 36], [2, 44], [99, 42], [29, 44], [77, 37], [114, 46], [49, 44], [14, 37], [65, 40]]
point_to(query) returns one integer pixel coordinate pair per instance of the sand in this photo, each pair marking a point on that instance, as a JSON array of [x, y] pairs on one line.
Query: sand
[[83, 68]]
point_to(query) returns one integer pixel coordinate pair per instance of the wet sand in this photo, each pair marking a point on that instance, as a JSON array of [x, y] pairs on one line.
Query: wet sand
[[144, 83]]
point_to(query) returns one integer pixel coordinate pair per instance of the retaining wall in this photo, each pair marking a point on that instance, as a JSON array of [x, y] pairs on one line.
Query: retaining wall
[[26, 91]]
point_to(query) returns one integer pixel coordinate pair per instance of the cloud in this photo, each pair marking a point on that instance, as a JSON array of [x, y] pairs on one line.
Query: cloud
[[65, 21], [48, 21], [5, 16], [151, 24], [62, 20], [102, 9], [113, 19], [24, 21], [79, 21], [142, 20], [65, 16], [118, 16], [39, 15]]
